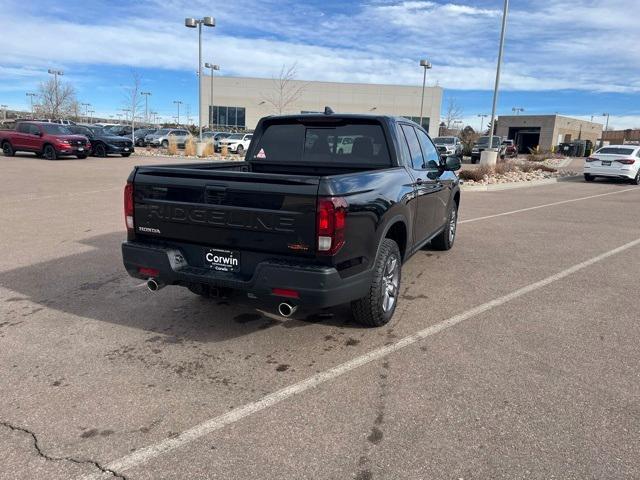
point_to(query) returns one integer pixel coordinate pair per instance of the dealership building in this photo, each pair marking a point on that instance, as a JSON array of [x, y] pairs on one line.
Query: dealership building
[[546, 131], [239, 102]]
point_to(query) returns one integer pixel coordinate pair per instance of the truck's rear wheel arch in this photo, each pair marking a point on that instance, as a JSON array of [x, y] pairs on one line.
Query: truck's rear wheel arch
[[456, 198], [397, 231]]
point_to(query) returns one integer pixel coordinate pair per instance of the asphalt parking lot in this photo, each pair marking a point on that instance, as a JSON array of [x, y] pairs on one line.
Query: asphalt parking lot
[[514, 355]]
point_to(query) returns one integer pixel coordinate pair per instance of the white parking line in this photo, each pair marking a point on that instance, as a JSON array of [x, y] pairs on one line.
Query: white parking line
[[486, 217], [147, 453]]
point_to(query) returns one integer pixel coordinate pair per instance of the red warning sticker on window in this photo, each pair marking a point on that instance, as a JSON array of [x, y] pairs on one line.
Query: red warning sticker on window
[[261, 154]]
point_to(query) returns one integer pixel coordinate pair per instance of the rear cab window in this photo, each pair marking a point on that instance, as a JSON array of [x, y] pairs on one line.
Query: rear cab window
[[324, 143]]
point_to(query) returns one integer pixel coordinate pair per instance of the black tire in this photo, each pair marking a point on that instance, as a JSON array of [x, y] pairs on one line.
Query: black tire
[[376, 309], [589, 178], [7, 149], [99, 150], [81, 157], [126, 154], [445, 239], [636, 180], [50, 152], [165, 144], [39, 154]]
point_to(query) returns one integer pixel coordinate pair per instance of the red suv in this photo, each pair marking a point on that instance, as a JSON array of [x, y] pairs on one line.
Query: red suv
[[49, 140]]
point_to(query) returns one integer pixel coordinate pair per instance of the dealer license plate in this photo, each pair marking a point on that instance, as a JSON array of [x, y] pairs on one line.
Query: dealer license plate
[[222, 260], [606, 163]]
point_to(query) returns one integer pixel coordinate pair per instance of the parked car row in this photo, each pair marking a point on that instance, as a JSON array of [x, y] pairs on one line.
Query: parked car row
[[54, 140]]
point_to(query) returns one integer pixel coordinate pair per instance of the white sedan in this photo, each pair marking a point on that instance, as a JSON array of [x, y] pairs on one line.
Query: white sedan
[[615, 161]]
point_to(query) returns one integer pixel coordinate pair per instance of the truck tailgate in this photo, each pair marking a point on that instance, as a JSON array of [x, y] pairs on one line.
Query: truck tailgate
[[230, 210]]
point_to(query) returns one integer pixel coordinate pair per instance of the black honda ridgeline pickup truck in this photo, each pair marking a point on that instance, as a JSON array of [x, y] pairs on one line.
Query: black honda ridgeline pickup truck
[[324, 210]]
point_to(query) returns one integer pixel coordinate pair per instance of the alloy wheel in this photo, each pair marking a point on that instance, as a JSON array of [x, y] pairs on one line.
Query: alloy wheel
[[453, 223], [390, 283]]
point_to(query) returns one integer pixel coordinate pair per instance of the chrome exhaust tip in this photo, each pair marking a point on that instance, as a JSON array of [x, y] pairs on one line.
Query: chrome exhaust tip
[[153, 285], [286, 309]]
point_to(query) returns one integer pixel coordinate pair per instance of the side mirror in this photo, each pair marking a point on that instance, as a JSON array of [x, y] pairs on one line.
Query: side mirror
[[452, 163]]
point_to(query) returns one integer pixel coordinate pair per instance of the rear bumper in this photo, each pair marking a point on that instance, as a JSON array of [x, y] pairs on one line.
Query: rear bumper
[[318, 286], [628, 172]]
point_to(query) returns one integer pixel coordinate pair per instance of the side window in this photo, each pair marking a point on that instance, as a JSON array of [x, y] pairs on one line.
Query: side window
[[248, 137], [22, 128], [431, 157], [417, 161], [34, 130]]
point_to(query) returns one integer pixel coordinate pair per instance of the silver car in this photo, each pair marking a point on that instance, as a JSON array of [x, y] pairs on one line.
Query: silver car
[[162, 136]]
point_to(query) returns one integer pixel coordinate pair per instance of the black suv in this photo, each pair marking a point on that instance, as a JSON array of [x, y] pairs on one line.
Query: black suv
[[103, 142]]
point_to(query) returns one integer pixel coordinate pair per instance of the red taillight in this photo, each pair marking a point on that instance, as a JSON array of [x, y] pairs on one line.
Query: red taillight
[[626, 161], [148, 272], [128, 205], [285, 292], [592, 159], [332, 214]]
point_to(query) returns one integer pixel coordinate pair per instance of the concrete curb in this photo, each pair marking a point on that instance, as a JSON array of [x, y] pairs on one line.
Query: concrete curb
[[510, 186]]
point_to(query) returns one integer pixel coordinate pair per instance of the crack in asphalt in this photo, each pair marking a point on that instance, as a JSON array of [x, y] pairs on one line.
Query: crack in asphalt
[[36, 445]]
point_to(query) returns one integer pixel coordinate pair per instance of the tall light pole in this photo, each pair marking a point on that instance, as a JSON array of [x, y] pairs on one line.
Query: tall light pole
[[178, 103], [55, 74], [493, 154], [86, 110], [210, 116], [426, 65], [154, 117], [517, 110], [31, 96], [482, 117], [90, 112], [146, 105], [193, 23], [606, 127], [4, 111]]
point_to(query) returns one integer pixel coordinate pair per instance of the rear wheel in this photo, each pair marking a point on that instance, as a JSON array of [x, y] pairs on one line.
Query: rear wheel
[[240, 150], [100, 150], [50, 152], [7, 149], [378, 306], [636, 180], [165, 143], [444, 240], [589, 178]]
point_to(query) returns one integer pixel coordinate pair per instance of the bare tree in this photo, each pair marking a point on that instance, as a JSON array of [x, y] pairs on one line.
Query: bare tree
[[57, 99], [285, 91], [133, 100], [454, 113]]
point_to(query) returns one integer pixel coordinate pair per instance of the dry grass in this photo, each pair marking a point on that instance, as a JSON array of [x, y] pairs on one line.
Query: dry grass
[[172, 149], [190, 147], [208, 150]]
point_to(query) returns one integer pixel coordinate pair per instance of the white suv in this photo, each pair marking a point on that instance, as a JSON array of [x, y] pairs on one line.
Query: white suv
[[236, 142]]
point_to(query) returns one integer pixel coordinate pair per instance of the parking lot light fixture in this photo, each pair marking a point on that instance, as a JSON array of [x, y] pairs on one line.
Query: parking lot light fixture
[[517, 110], [213, 68], [146, 105], [493, 153], [606, 127], [55, 74], [482, 117], [193, 23], [31, 97], [178, 103], [426, 65]]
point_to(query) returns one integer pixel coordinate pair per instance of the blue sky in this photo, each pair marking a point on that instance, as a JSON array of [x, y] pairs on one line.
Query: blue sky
[[574, 57]]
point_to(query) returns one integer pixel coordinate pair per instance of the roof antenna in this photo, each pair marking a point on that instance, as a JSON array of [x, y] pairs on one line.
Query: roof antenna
[[328, 111]]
